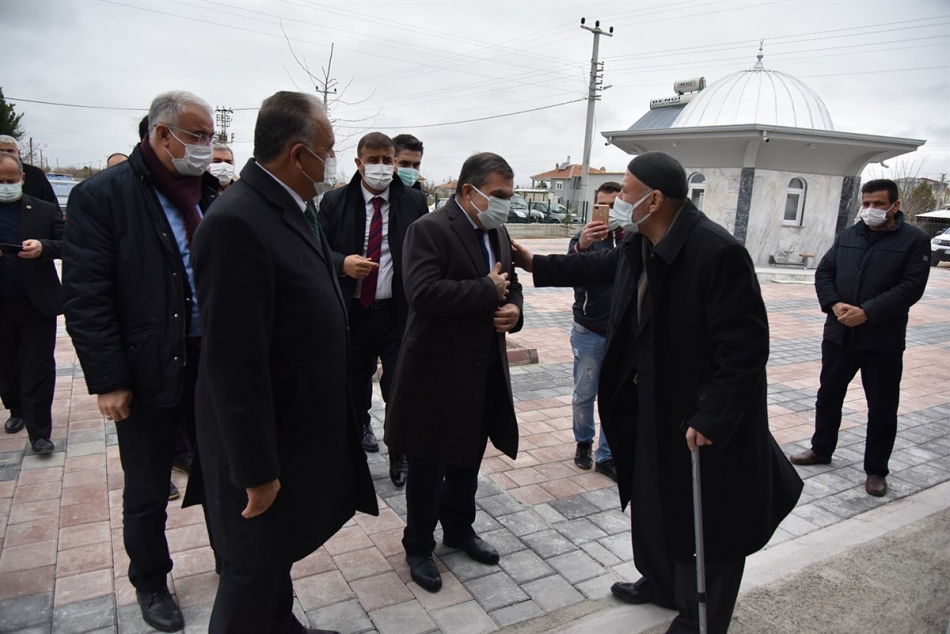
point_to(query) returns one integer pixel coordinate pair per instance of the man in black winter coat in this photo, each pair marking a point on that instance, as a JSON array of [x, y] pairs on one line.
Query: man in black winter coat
[[866, 283], [131, 312], [684, 370]]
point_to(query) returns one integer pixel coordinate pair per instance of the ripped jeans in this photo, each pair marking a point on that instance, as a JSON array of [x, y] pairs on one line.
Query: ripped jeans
[[588, 347]]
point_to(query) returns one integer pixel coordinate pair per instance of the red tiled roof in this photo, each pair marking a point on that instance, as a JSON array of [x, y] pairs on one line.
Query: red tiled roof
[[571, 171]]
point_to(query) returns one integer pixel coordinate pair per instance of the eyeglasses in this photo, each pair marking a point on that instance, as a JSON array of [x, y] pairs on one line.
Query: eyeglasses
[[200, 139]]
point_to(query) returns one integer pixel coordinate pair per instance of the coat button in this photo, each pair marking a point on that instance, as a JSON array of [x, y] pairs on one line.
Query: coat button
[[702, 396], [175, 315], [478, 364], [176, 358]]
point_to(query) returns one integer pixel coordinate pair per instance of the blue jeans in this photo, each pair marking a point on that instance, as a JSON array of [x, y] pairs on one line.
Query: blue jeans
[[588, 349]]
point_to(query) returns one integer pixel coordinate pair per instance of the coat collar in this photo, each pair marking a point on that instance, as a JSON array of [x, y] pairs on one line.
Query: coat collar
[[672, 243], [462, 227]]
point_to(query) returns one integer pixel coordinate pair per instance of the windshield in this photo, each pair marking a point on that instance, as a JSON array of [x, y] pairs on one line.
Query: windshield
[[62, 188], [517, 202]]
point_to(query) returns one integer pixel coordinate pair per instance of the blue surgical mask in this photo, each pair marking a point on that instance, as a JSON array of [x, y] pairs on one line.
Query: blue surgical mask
[[408, 175], [496, 214], [621, 214]]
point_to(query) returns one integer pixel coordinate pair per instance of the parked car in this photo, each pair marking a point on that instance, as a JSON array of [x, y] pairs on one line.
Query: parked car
[[940, 248], [53, 176], [550, 211], [62, 188]]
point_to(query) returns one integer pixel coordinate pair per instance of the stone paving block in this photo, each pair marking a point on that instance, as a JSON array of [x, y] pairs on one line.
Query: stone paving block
[[495, 591], [30, 532], [405, 618], [815, 515], [20, 613], [465, 568], [832, 481], [600, 554], [359, 564], [501, 504], [380, 591], [84, 616], [197, 618], [604, 499], [129, 618], [504, 541], [598, 587], [322, 590], [797, 525], [576, 566], [522, 523], [465, 618], [196, 590], [574, 507], [516, 613], [525, 566], [28, 556], [452, 592], [346, 617], [398, 504], [46, 461], [549, 514], [9, 473], [552, 592], [620, 545], [611, 522], [11, 458], [484, 522], [927, 475], [549, 543], [85, 449], [580, 531], [486, 488]]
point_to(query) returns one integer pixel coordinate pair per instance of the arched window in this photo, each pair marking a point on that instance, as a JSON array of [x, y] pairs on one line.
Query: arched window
[[794, 203], [697, 190]]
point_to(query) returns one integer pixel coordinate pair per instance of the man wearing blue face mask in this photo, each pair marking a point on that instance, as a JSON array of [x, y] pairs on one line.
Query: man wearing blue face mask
[[408, 160], [452, 390], [131, 311], [683, 370], [874, 272], [365, 224]]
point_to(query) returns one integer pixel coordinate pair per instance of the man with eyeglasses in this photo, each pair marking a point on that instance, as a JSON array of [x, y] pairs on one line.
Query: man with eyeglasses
[[131, 312]]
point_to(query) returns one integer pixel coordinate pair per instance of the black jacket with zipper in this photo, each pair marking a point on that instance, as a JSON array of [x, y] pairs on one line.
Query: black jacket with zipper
[[883, 272], [592, 303], [127, 297]]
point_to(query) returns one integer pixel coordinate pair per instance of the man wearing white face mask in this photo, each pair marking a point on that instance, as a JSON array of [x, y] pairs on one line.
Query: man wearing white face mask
[[365, 224], [222, 165], [131, 311], [866, 283]]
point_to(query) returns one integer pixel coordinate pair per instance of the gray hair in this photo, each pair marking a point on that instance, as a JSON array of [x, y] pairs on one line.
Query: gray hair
[[11, 157], [167, 108], [6, 138], [285, 118], [478, 168], [223, 146]]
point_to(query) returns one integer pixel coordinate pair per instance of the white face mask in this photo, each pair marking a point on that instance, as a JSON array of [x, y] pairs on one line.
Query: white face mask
[[621, 214], [10, 192], [496, 214], [329, 171], [196, 160], [874, 217], [222, 171], [377, 175]]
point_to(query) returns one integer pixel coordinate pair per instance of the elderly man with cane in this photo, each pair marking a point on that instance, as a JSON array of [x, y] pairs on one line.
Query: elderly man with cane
[[683, 371]]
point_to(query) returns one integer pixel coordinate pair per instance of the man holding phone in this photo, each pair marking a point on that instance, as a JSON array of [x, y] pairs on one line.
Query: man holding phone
[[591, 310]]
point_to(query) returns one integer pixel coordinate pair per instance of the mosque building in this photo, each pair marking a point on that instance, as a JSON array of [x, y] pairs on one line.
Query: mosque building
[[763, 159]]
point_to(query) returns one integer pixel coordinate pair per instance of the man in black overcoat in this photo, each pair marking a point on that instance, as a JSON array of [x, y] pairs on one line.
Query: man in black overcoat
[[279, 447], [452, 390], [684, 369]]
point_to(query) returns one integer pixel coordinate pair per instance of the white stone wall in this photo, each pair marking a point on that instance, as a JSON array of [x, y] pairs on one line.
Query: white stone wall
[[722, 193]]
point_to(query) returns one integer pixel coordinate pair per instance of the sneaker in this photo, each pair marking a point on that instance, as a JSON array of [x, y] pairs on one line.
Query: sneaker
[[608, 468], [582, 456], [173, 492]]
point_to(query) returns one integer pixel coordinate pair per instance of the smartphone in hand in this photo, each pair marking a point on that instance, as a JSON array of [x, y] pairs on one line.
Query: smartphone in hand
[[10, 248], [601, 213]]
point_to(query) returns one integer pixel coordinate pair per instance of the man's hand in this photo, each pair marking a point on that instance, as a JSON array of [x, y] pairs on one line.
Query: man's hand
[[260, 498], [358, 267], [500, 280], [117, 405], [506, 317], [695, 439], [840, 309], [32, 249], [853, 317], [595, 231], [521, 256]]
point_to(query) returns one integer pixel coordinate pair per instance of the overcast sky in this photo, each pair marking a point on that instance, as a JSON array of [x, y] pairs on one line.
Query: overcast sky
[[881, 67]]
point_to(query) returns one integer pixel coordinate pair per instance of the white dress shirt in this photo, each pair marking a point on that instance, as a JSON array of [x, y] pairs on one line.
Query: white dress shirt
[[384, 279], [293, 194]]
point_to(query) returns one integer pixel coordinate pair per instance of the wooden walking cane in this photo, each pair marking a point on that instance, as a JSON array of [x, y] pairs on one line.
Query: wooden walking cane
[[700, 553]]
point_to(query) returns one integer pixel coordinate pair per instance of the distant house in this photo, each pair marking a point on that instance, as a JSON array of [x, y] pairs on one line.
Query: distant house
[[564, 183], [445, 190]]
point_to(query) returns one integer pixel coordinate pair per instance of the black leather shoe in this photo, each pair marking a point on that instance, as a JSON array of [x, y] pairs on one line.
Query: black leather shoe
[[160, 611], [809, 457], [398, 468], [370, 443], [582, 455], [476, 548], [630, 593], [608, 468], [13, 425], [173, 492], [182, 463], [423, 571], [43, 445]]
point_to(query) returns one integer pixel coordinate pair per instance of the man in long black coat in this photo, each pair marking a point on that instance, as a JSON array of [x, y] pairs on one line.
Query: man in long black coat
[[452, 390], [279, 447], [687, 344]]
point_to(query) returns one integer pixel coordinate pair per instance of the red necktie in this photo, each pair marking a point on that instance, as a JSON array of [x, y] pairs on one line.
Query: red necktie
[[373, 251]]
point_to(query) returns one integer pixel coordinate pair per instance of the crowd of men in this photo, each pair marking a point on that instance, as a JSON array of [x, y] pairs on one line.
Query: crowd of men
[[231, 329]]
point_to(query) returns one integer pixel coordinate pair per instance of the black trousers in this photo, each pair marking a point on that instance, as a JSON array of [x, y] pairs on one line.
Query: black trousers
[[881, 376], [374, 334], [146, 446], [722, 588], [253, 601], [27, 365]]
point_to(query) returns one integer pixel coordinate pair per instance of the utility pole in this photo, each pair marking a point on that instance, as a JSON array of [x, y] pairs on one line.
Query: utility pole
[[223, 119], [31, 150], [593, 95]]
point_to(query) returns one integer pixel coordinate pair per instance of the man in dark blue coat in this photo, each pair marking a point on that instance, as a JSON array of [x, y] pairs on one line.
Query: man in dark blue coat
[[866, 283]]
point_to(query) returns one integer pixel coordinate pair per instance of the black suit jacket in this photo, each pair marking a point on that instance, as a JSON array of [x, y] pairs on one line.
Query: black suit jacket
[[272, 399], [438, 402], [343, 220], [43, 221], [37, 185]]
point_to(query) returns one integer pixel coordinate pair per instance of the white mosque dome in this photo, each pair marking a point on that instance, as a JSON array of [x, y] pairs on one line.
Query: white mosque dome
[[758, 95]]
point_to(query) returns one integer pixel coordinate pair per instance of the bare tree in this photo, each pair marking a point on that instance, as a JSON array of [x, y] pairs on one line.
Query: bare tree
[[333, 99], [915, 193]]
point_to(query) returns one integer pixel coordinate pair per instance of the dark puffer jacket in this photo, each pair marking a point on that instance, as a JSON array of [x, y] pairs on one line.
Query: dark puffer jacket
[[883, 272]]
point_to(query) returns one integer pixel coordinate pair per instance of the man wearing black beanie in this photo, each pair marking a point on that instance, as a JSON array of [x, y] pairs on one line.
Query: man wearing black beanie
[[684, 369]]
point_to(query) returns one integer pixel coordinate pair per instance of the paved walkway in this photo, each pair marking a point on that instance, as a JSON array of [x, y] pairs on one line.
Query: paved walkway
[[561, 534]]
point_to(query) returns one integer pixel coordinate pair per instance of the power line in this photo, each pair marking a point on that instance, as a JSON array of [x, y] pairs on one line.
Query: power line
[[497, 116], [76, 105]]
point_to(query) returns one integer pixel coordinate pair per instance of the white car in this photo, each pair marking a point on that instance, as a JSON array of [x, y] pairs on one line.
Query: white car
[[940, 248], [62, 188]]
